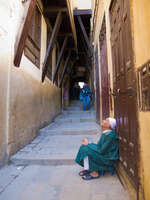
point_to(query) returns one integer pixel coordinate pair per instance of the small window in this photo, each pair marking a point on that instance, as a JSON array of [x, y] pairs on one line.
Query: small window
[[146, 99], [144, 86], [33, 41]]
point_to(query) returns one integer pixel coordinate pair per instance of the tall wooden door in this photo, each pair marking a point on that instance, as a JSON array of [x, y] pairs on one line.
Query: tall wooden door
[[97, 87], [124, 87], [104, 72]]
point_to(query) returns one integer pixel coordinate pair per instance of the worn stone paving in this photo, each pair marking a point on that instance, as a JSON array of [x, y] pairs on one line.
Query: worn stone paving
[[38, 182], [45, 169]]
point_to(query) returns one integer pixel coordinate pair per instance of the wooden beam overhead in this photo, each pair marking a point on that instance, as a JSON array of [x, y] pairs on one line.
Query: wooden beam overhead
[[72, 49], [51, 9], [70, 10], [81, 53], [82, 12], [60, 57], [65, 34], [51, 43], [23, 31], [84, 47], [48, 24], [85, 35], [64, 69]]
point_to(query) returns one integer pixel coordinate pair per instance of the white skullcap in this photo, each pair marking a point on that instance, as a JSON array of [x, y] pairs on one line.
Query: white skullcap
[[112, 122]]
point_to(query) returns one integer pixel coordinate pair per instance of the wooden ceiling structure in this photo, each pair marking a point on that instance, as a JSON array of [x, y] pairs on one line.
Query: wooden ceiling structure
[[85, 51], [71, 30]]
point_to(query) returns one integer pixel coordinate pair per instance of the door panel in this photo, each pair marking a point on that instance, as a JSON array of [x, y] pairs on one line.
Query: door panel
[[97, 87], [104, 73], [124, 87]]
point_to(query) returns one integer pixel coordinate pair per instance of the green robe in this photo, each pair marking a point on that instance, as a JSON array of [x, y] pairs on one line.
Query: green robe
[[103, 155]]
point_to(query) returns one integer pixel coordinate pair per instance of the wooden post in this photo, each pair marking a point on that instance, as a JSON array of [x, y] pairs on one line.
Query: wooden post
[[65, 67], [23, 31], [51, 43], [60, 58], [85, 35]]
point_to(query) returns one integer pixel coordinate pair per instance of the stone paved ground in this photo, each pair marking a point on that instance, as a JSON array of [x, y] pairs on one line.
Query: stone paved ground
[[45, 169]]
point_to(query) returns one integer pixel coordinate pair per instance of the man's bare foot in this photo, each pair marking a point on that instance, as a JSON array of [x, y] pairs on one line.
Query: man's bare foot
[[94, 174]]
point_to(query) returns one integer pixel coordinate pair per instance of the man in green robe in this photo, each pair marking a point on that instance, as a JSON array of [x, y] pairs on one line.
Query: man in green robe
[[101, 157]]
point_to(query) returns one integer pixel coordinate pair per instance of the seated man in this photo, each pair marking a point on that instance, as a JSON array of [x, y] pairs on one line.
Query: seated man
[[100, 157]]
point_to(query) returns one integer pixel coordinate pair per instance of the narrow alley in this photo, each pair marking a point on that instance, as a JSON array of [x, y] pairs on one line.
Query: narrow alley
[[74, 91], [45, 169]]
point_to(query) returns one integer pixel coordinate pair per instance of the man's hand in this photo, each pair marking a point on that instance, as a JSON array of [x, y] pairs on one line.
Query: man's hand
[[85, 141]]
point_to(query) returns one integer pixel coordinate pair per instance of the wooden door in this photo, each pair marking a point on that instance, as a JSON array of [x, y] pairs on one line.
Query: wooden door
[[97, 88], [104, 72], [124, 80]]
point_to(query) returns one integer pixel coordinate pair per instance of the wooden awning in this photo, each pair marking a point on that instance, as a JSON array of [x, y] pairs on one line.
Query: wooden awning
[[59, 10], [23, 31], [71, 36]]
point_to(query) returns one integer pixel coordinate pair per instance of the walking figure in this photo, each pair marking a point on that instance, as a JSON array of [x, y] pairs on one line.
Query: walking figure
[[86, 97]]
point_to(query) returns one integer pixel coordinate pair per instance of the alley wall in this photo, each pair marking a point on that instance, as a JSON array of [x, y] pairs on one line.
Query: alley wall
[[27, 104], [140, 26], [5, 52], [32, 104], [141, 41]]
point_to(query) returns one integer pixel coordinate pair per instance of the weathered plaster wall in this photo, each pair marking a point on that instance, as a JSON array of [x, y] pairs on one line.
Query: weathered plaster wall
[[5, 48], [141, 42], [32, 104], [26, 103]]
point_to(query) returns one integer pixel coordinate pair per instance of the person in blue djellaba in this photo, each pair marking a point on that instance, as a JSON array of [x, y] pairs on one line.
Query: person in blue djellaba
[[101, 157], [86, 97]]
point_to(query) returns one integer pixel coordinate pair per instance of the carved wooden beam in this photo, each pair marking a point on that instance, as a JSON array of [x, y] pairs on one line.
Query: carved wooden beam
[[51, 43], [64, 69], [85, 35], [23, 31], [60, 58]]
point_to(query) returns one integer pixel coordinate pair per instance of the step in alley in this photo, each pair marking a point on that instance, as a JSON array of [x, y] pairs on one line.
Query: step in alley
[[45, 168]]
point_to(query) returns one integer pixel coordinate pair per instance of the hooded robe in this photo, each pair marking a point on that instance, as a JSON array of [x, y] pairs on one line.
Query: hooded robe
[[103, 155], [86, 96]]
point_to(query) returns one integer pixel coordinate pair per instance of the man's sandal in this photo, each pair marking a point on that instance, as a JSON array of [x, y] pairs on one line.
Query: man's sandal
[[90, 177], [84, 172]]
